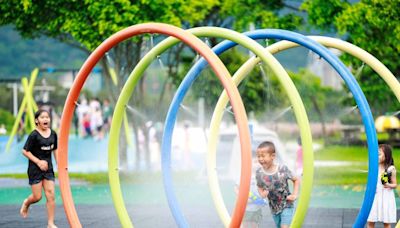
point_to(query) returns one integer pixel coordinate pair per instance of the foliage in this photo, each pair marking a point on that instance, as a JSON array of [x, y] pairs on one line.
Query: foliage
[[25, 55], [310, 88], [264, 14], [321, 102], [322, 13], [6, 97], [373, 25], [7, 119], [85, 24], [67, 21], [85, 29], [253, 88]]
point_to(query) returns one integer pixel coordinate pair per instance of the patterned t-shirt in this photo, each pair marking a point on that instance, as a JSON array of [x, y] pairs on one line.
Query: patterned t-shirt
[[277, 186]]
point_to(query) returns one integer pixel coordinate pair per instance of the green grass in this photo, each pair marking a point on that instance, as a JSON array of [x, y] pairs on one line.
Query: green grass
[[131, 178], [353, 174], [350, 153], [95, 178], [339, 176], [15, 175], [382, 136], [342, 153]]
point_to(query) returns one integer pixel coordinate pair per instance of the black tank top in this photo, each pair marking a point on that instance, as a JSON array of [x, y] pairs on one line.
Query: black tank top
[[41, 147]]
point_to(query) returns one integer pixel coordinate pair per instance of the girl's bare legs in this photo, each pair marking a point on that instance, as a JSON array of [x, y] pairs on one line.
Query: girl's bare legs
[[32, 198], [371, 225], [48, 186], [386, 225]]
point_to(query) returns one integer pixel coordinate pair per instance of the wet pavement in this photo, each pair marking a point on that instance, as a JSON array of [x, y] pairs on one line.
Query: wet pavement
[[154, 216]]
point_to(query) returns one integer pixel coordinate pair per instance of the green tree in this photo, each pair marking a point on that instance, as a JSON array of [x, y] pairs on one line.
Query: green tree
[[6, 101], [252, 88], [264, 14], [315, 96], [234, 14], [85, 24], [18, 56], [7, 119], [373, 25]]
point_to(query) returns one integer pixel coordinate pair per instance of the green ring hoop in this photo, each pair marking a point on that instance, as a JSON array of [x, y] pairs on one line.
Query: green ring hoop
[[117, 119], [242, 72], [284, 78], [79, 81]]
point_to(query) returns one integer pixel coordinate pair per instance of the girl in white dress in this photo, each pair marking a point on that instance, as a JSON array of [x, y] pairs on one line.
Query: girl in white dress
[[384, 205]]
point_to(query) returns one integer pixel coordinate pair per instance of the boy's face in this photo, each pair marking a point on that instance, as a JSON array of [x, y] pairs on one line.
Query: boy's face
[[265, 156]]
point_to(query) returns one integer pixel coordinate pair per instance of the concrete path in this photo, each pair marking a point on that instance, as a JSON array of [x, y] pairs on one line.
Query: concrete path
[[153, 216]]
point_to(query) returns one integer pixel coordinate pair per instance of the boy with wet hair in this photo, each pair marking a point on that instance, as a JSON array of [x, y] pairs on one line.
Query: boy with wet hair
[[272, 182]]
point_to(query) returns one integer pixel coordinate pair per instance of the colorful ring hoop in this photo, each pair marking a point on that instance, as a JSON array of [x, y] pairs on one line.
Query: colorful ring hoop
[[293, 95], [142, 28], [114, 136], [73, 94], [227, 34], [359, 97]]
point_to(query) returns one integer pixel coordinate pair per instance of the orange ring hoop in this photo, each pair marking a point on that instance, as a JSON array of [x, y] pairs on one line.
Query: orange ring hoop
[[216, 65]]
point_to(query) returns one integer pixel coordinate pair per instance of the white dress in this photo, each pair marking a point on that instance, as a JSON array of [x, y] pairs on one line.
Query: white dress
[[384, 205]]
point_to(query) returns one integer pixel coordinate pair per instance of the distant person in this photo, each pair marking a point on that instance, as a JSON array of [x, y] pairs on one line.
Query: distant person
[[299, 158], [38, 149], [96, 124], [82, 110], [94, 104], [86, 125], [272, 182], [107, 115], [384, 205], [3, 130]]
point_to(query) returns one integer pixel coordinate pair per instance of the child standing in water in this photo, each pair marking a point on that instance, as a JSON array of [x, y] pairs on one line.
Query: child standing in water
[[384, 205], [272, 181], [38, 148]]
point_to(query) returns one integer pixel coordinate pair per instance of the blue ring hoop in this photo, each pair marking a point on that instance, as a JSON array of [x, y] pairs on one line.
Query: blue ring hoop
[[333, 60]]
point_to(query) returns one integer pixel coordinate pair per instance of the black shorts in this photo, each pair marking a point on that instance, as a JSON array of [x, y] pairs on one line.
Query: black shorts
[[36, 176]]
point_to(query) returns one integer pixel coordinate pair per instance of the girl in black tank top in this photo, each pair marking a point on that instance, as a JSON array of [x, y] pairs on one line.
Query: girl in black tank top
[[38, 149]]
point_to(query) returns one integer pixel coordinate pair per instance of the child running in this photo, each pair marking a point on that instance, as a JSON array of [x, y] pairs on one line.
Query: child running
[[272, 181], [38, 148]]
